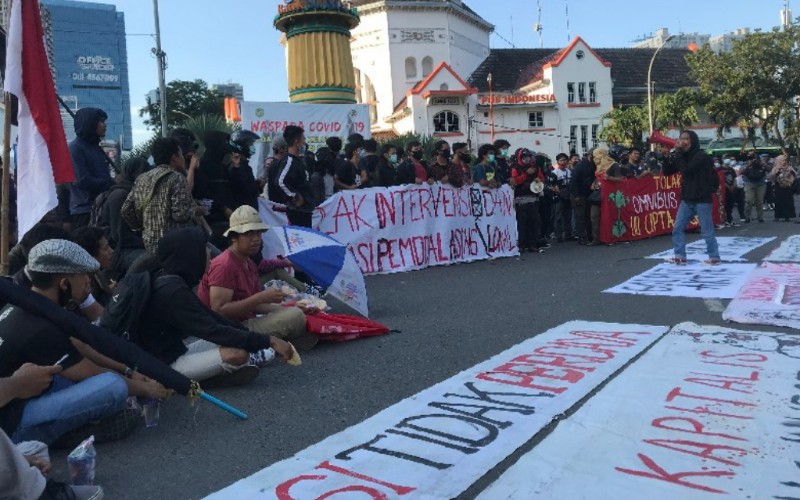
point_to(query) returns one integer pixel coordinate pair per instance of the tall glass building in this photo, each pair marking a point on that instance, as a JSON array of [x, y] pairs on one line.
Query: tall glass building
[[91, 63]]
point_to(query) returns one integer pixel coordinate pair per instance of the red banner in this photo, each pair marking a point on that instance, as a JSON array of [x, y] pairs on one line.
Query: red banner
[[635, 209]]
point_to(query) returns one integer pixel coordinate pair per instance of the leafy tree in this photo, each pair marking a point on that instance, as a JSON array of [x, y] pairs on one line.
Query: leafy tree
[[754, 86], [185, 99], [675, 110], [624, 126]]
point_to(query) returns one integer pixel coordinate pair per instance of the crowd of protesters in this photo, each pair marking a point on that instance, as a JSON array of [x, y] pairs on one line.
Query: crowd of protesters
[[187, 228]]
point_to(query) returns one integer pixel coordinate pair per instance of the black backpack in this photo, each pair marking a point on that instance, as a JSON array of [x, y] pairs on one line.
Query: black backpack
[[125, 308], [755, 172], [96, 218]]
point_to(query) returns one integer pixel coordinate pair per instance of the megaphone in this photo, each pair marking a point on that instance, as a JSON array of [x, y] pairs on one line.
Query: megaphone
[[658, 138]]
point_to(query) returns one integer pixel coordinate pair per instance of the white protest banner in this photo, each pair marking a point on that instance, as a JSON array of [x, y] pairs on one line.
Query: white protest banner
[[708, 412], [320, 121], [692, 280], [438, 442], [789, 251], [771, 296], [731, 248], [404, 228]]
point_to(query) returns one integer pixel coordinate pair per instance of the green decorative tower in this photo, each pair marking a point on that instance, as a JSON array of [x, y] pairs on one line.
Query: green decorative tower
[[320, 67]]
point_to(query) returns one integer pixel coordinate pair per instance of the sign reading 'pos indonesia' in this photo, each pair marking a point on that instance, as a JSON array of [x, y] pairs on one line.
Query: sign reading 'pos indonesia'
[[440, 441], [708, 412]]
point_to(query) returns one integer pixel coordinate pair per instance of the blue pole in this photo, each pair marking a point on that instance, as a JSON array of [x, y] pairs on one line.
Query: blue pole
[[223, 405]]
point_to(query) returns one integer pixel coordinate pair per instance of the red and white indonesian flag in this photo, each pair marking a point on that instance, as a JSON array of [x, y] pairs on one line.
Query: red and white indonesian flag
[[42, 154]]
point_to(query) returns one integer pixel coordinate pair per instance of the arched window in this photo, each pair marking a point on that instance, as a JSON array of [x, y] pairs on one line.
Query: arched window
[[427, 66], [446, 122], [444, 86], [372, 99], [411, 68], [359, 89]]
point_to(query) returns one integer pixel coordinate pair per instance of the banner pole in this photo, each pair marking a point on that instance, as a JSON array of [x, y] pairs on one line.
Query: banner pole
[[5, 190]]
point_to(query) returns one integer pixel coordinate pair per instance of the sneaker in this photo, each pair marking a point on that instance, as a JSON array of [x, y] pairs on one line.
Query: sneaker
[[734, 224], [680, 261], [113, 428], [712, 262], [747, 221], [54, 490], [721, 226], [262, 358], [241, 376]]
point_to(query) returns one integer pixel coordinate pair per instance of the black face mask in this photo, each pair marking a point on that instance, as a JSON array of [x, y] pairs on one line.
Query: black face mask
[[417, 154], [65, 299], [445, 154]]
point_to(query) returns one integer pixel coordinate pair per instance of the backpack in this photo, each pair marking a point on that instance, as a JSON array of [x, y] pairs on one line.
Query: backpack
[[755, 173], [96, 218], [786, 178], [126, 307]]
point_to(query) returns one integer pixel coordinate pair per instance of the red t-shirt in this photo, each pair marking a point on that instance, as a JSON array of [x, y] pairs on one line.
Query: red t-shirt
[[229, 271]]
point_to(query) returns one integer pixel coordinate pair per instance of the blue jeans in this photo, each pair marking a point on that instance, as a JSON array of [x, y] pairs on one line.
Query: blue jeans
[[686, 213], [69, 405]]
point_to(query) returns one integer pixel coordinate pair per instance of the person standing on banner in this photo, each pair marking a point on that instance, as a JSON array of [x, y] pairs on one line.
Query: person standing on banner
[[699, 182], [293, 181]]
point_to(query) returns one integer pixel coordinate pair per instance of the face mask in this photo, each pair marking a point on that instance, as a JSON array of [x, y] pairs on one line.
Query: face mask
[[490, 158], [467, 158], [504, 152], [362, 154], [445, 154], [417, 155], [302, 149], [393, 159]]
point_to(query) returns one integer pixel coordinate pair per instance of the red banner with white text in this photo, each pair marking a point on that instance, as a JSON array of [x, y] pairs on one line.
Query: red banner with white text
[[635, 209]]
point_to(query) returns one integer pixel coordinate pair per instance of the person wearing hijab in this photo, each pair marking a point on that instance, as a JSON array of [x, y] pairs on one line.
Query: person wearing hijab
[[783, 176], [226, 352], [699, 182], [127, 245]]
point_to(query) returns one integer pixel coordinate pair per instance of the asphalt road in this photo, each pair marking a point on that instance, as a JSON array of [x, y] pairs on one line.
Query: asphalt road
[[449, 318]]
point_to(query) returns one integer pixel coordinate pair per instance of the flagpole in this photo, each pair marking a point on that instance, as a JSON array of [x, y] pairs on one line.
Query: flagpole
[[5, 191], [5, 184]]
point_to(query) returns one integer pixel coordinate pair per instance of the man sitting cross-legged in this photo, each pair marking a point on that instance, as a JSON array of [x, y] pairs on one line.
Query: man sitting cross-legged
[[231, 287], [90, 387]]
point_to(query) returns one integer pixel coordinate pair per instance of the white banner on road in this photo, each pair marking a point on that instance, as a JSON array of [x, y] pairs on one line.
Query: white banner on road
[[771, 296], [410, 227], [731, 248], [707, 412], [789, 251], [438, 442], [692, 280]]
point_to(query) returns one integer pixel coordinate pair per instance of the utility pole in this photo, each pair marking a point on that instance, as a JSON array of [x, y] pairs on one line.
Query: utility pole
[[161, 58]]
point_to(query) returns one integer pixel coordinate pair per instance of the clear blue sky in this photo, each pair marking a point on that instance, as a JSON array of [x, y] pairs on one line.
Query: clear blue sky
[[234, 40]]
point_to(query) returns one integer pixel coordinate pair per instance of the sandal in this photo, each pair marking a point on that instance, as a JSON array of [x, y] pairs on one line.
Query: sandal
[[712, 262], [678, 261]]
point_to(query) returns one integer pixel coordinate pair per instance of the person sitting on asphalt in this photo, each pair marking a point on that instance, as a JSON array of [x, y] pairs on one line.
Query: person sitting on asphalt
[[93, 240], [231, 286], [24, 476], [226, 352], [88, 389]]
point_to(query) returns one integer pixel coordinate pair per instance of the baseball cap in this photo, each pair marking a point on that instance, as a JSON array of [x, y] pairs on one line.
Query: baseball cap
[[244, 219], [60, 257]]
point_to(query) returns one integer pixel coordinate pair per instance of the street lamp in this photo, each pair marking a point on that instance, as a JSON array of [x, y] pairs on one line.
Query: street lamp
[[491, 108], [650, 83]]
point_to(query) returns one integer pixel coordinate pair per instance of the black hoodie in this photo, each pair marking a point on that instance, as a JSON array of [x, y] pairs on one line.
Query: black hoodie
[[174, 312], [92, 175], [697, 170]]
